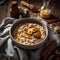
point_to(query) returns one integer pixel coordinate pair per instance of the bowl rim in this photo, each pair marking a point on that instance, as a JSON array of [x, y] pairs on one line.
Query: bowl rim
[[39, 20]]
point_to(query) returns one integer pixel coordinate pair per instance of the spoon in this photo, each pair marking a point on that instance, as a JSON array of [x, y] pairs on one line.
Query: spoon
[[45, 4]]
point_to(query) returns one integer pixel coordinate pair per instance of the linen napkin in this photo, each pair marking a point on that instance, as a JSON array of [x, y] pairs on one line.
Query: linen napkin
[[11, 51]]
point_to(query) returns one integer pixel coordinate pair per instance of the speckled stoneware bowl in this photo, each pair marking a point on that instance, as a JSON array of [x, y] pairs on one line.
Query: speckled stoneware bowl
[[28, 20]]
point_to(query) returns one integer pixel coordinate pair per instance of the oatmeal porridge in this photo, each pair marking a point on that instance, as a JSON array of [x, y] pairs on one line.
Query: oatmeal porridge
[[29, 33]]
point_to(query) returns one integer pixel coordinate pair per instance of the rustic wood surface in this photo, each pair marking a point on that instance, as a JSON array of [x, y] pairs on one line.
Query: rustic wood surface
[[54, 5], [3, 11]]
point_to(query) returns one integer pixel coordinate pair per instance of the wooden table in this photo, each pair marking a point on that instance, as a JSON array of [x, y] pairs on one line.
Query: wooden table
[[54, 5]]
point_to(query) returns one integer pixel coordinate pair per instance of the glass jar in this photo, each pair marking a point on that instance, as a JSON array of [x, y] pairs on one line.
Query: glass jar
[[45, 12]]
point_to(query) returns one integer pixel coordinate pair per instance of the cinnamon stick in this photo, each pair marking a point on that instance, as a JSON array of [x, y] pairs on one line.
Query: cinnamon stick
[[53, 21], [31, 7], [48, 50]]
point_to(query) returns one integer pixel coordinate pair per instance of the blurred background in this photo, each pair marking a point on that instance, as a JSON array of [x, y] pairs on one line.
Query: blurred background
[[5, 5]]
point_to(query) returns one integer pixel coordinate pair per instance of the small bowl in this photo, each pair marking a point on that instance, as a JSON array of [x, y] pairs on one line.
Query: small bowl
[[23, 21]]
